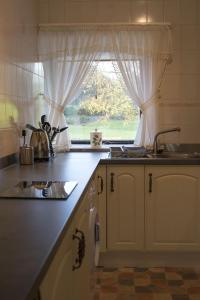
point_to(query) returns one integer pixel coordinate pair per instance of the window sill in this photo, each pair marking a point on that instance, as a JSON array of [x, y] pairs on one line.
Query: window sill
[[88, 148]]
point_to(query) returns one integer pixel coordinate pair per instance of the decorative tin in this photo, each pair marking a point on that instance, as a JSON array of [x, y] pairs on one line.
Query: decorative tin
[[96, 139]]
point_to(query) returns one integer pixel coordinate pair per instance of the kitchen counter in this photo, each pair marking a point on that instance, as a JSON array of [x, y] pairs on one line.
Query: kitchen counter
[[31, 230], [150, 161]]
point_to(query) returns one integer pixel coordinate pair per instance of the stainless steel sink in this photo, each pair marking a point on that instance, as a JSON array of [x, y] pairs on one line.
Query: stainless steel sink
[[127, 152], [174, 155], [172, 151]]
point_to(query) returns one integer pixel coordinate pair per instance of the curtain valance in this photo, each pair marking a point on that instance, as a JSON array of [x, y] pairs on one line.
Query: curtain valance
[[154, 41]]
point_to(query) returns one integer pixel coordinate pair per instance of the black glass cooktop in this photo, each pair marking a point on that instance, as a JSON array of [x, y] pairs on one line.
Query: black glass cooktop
[[55, 190]]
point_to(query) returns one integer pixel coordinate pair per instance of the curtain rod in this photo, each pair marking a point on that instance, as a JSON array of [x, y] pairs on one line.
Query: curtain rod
[[100, 24]]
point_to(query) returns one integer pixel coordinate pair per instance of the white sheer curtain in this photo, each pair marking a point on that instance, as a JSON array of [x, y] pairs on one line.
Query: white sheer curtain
[[67, 58], [142, 55], [141, 52]]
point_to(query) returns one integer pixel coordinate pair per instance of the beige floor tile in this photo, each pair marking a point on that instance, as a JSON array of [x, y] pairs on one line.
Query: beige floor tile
[[191, 283], [173, 276], [162, 297], [157, 270], [104, 296], [142, 281], [143, 284]]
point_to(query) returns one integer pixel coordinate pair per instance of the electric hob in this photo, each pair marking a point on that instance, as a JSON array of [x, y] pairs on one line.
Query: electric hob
[[50, 190]]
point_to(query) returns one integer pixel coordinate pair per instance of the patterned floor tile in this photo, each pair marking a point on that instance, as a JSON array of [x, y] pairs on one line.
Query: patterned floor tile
[[175, 282], [157, 275], [180, 297], [173, 275], [194, 297], [105, 296], [189, 276], [142, 281], [162, 296], [138, 283], [144, 296], [194, 290], [157, 270], [162, 283]]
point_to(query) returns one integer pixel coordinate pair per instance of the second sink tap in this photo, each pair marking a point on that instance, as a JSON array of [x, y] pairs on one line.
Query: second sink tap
[[155, 143]]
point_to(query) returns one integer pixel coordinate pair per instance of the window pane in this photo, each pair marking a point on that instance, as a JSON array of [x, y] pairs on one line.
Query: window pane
[[102, 104]]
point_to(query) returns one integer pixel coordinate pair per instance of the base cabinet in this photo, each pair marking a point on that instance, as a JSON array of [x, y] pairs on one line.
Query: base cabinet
[[100, 178], [68, 276], [172, 201], [125, 207], [153, 208], [59, 279]]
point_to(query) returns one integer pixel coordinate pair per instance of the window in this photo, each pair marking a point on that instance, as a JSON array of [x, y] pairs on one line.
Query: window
[[103, 104]]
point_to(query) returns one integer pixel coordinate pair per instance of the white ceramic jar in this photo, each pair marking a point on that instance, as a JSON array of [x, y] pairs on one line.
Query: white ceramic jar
[[96, 139]]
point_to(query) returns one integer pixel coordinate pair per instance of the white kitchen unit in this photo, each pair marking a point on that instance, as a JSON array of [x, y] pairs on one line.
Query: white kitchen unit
[[172, 203], [125, 207], [68, 276], [59, 280], [100, 177]]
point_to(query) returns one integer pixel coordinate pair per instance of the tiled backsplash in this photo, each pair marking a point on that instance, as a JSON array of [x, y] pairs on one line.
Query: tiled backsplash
[[20, 77], [18, 54], [180, 103]]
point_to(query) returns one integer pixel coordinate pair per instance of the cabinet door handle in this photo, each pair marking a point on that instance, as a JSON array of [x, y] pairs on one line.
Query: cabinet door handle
[[101, 184], [150, 182], [112, 182], [79, 235]]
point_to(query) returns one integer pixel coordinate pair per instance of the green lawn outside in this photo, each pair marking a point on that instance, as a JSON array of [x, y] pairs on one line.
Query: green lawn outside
[[111, 129]]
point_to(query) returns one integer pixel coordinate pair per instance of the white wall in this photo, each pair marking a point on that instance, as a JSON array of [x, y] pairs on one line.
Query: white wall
[[181, 89], [18, 51]]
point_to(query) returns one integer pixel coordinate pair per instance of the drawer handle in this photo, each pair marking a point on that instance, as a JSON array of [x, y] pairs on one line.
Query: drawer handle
[[150, 182], [112, 182], [101, 184], [79, 235]]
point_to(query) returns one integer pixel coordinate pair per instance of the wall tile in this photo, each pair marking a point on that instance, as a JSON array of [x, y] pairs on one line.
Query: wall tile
[[198, 87], [190, 114], [172, 11], [188, 37], [175, 66], [170, 115], [155, 11], [138, 11], [198, 12], [80, 12], [190, 62], [56, 11], [176, 37], [114, 11], [188, 11], [18, 49], [198, 37], [189, 133], [170, 88], [182, 81], [44, 11], [189, 91]]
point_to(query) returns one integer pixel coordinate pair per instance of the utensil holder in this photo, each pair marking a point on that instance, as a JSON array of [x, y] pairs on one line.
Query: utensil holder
[[26, 155]]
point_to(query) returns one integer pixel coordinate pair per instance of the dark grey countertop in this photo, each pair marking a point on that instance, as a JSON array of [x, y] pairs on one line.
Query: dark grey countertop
[[151, 161], [31, 230]]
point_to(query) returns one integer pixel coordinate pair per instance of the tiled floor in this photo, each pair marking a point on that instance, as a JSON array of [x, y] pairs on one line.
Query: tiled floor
[[147, 284]]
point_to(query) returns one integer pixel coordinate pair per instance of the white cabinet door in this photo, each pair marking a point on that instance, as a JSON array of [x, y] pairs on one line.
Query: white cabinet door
[[100, 177], [68, 277], [125, 207], [82, 273], [172, 207], [59, 280]]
